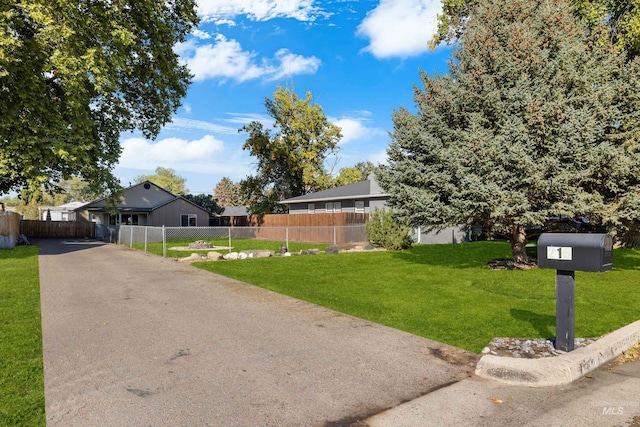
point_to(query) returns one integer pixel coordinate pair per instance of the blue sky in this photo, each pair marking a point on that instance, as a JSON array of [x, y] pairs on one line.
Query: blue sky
[[360, 60]]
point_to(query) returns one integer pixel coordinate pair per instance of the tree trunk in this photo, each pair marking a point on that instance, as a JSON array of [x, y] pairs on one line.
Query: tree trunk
[[631, 239], [519, 244]]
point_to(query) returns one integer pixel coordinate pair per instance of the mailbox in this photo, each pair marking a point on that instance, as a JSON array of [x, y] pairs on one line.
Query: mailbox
[[575, 252]]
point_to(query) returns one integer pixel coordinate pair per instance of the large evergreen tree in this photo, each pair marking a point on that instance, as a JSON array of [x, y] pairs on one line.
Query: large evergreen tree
[[609, 21], [290, 162], [74, 74], [532, 122]]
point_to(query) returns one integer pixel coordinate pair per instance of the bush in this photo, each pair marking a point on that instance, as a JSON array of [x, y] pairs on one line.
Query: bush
[[383, 231]]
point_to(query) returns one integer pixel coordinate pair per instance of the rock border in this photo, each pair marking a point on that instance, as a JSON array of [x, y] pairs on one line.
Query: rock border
[[563, 369]]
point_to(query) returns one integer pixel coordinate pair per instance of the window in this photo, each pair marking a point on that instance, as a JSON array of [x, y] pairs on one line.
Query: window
[[337, 206], [360, 206], [311, 208], [328, 207], [129, 219], [188, 220]]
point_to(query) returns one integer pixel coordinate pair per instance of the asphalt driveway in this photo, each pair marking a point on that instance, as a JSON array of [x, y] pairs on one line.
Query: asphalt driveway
[[131, 339]]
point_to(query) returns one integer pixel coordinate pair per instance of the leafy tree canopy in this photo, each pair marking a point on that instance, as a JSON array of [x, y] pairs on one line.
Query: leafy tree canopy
[[74, 74], [205, 201], [290, 162], [349, 175], [533, 122], [167, 179], [609, 21]]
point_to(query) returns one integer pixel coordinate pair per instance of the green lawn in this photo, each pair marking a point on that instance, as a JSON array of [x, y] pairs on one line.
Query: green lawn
[[237, 246], [447, 293], [21, 367]]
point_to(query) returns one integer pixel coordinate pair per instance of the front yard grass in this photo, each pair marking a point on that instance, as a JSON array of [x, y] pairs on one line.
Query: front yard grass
[[21, 366], [448, 293]]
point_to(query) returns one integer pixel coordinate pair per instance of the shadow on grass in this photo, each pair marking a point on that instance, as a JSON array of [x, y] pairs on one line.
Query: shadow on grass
[[544, 324], [626, 259], [18, 252]]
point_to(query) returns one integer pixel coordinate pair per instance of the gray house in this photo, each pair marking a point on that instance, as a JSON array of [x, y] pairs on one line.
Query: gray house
[[359, 197], [364, 197], [146, 204]]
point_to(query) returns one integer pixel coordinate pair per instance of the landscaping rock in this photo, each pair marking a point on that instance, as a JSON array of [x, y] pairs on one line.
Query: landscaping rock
[[214, 256], [260, 253], [242, 255], [191, 258], [200, 244], [368, 248], [230, 255], [333, 249]]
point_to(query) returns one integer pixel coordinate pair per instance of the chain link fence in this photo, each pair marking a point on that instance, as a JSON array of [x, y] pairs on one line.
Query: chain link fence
[[336, 235]]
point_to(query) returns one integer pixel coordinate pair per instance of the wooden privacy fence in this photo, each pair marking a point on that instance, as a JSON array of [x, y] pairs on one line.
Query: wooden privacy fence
[[296, 220], [57, 229]]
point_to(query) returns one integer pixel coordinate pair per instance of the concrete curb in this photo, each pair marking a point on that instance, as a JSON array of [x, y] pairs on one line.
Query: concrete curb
[[559, 370]]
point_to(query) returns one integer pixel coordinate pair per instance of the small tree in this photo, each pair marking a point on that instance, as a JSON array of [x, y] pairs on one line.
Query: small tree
[[383, 231]]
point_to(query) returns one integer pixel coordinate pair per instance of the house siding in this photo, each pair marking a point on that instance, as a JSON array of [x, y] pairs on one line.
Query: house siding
[[169, 214]]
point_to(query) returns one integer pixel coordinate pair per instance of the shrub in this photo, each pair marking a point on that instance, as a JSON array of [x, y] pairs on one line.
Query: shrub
[[384, 231]]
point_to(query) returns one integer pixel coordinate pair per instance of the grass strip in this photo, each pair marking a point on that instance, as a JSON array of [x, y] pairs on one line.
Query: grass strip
[[21, 366], [448, 293]]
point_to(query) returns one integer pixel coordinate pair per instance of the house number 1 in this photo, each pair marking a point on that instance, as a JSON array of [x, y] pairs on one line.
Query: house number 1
[[560, 253]]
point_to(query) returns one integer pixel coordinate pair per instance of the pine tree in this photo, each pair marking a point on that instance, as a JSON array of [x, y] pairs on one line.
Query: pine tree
[[532, 122]]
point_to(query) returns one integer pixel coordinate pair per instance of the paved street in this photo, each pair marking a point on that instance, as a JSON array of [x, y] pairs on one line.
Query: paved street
[[131, 339]]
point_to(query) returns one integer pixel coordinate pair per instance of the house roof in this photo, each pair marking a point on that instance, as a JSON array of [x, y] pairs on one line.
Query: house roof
[[138, 201], [367, 189]]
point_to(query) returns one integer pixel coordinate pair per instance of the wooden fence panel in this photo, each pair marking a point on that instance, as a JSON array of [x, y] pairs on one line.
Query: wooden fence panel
[[57, 229]]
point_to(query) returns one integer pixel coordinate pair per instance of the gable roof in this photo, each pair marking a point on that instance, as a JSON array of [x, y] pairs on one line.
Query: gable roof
[[367, 189], [142, 197]]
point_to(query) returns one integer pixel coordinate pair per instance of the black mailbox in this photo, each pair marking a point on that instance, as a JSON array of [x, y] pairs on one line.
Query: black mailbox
[[575, 251]]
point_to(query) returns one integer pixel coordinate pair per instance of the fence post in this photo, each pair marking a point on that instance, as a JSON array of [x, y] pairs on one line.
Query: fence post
[[131, 236], [286, 238], [164, 242], [334, 236], [146, 230], [229, 230]]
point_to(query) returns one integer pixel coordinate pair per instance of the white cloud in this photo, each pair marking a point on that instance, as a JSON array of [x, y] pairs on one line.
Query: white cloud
[[227, 60], [178, 123], [356, 129], [199, 34], [400, 28], [175, 153], [258, 10]]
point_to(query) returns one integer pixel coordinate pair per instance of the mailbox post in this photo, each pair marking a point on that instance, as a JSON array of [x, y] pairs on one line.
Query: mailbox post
[[568, 253]]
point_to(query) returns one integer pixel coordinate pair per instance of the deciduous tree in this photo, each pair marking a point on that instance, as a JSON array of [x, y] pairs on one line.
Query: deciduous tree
[[290, 162], [532, 122], [167, 179], [76, 74], [356, 173]]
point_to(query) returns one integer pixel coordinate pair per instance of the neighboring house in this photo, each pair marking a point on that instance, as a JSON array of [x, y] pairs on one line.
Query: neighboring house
[[231, 216], [146, 204], [359, 197], [66, 212], [364, 197]]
